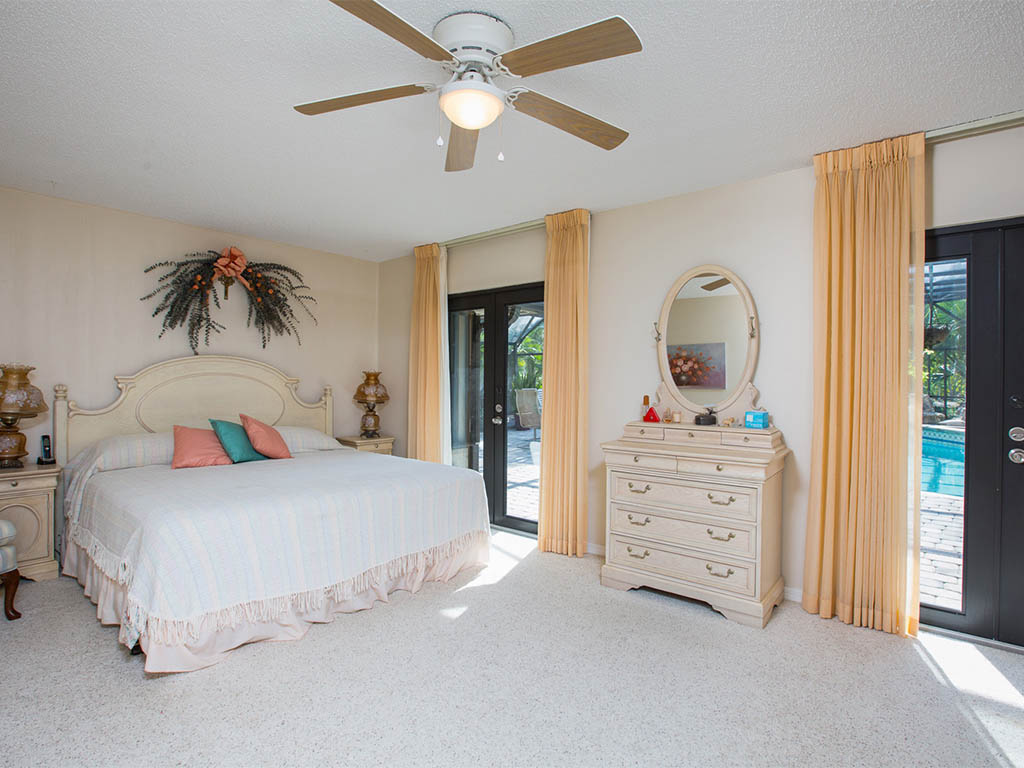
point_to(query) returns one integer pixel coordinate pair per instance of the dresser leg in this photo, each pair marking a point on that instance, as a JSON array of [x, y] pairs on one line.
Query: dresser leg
[[11, 579], [616, 584], [744, 618]]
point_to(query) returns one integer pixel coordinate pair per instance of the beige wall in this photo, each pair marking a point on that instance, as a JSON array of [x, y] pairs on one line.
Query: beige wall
[[513, 259], [72, 275], [976, 179]]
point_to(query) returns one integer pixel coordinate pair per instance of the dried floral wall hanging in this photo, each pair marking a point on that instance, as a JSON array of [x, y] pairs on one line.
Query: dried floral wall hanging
[[185, 290]]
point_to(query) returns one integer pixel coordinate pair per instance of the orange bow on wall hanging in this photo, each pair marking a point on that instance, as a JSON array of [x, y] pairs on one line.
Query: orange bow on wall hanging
[[187, 286], [230, 267]]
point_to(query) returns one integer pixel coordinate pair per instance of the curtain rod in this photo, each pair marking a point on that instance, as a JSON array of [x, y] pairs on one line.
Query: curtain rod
[[510, 230], [975, 127]]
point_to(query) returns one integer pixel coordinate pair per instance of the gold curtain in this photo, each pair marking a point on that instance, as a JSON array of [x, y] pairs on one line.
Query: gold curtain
[[861, 560], [426, 349], [562, 525]]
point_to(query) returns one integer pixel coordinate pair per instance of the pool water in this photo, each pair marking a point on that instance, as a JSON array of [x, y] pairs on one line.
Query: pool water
[[942, 460]]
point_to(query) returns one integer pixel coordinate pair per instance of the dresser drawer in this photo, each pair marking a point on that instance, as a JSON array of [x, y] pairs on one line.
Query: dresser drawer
[[644, 433], [729, 576], [643, 461], [685, 436], [747, 439], [735, 539], [726, 470], [724, 501]]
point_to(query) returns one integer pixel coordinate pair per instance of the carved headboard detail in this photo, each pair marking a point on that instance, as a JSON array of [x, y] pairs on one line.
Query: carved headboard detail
[[188, 391]]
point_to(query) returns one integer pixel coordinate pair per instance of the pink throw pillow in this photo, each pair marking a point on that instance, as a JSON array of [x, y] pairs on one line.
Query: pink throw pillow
[[197, 448], [264, 438]]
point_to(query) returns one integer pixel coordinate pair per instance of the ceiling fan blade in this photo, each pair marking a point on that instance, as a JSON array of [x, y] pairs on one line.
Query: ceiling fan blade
[[461, 149], [714, 285], [564, 117], [358, 99], [376, 15], [600, 40]]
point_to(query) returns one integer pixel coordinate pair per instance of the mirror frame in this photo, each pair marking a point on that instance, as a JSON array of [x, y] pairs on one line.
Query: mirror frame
[[753, 343]]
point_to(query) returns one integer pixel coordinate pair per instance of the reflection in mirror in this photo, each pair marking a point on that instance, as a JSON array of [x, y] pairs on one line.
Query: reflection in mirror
[[707, 339]]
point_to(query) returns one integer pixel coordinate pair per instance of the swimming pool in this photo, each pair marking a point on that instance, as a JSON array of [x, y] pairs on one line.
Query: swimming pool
[[942, 459]]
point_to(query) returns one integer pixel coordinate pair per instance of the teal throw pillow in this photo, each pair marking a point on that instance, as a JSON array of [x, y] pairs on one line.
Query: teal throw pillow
[[236, 443]]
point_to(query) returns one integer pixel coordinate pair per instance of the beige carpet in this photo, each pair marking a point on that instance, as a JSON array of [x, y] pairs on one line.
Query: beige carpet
[[528, 663]]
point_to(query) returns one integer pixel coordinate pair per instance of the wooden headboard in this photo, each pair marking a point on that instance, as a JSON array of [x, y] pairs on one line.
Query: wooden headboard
[[188, 391]]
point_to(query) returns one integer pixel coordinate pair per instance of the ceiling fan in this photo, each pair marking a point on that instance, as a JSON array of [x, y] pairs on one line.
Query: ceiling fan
[[476, 48]]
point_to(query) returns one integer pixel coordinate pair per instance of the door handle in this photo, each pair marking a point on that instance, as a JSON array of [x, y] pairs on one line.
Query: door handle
[[1017, 455], [497, 420]]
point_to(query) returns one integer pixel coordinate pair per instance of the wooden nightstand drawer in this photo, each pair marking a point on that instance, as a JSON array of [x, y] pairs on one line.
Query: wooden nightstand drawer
[[382, 444]]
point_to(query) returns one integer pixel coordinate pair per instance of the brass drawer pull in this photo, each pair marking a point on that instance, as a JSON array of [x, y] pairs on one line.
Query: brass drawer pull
[[636, 459], [718, 467], [645, 521], [746, 439], [643, 432], [711, 533], [14, 483], [646, 553], [690, 434], [721, 503], [725, 575], [646, 488]]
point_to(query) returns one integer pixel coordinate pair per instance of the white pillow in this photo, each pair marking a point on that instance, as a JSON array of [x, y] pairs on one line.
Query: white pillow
[[305, 439]]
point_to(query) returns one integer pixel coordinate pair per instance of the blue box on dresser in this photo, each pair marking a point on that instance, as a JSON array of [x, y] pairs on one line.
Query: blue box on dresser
[[756, 420]]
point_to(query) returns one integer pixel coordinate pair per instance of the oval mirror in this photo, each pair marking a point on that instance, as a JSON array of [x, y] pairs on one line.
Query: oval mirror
[[708, 342]]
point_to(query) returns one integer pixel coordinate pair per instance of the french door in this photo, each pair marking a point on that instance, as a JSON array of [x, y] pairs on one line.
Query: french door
[[496, 349], [972, 463]]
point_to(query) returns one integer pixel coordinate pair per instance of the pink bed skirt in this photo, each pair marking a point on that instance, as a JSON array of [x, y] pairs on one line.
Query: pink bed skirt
[[212, 644]]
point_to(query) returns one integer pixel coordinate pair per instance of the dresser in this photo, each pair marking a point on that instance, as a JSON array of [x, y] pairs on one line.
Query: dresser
[[371, 444], [26, 499], [697, 511]]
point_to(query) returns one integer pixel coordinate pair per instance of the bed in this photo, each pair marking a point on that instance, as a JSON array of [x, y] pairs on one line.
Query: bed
[[191, 563]]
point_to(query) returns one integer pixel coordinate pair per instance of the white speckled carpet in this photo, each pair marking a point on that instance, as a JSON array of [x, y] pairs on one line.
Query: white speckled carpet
[[527, 663]]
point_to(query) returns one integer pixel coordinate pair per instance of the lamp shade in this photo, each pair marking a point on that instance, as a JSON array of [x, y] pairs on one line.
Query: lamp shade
[[472, 104], [18, 398], [371, 390]]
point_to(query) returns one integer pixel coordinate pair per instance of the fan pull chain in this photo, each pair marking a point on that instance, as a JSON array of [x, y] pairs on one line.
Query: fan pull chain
[[501, 138], [440, 141]]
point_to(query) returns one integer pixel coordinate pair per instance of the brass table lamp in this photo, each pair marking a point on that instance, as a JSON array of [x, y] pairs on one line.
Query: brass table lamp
[[370, 394], [18, 400]]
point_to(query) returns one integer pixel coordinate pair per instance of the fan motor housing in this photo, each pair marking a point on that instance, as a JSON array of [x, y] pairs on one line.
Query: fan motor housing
[[474, 36]]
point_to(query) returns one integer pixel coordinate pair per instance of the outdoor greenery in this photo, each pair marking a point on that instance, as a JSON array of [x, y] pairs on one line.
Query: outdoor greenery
[[945, 365], [526, 364]]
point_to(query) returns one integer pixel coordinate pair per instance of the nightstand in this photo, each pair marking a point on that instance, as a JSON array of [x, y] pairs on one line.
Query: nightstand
[[371, 444], [26, 499]]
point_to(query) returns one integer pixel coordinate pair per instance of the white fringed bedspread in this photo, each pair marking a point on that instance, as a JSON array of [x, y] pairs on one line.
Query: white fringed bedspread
[[195, 551]]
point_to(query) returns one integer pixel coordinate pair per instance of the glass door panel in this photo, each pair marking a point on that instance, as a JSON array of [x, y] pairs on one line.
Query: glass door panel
[[943, 428], [524, 365], [466, 331]]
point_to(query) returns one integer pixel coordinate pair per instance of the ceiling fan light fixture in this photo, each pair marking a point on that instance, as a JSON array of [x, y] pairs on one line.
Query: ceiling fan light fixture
[[472, 104]]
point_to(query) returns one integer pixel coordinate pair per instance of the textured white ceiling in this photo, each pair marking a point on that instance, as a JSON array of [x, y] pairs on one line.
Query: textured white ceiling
[[182, 109]]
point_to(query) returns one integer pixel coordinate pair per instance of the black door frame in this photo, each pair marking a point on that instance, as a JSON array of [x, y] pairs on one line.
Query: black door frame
[[983, 247], [495, 468]]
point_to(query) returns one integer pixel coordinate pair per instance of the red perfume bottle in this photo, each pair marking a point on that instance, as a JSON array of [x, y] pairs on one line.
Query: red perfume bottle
[[649, 414]]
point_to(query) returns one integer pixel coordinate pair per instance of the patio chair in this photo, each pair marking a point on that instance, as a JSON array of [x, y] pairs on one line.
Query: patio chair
[[528, 404]]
